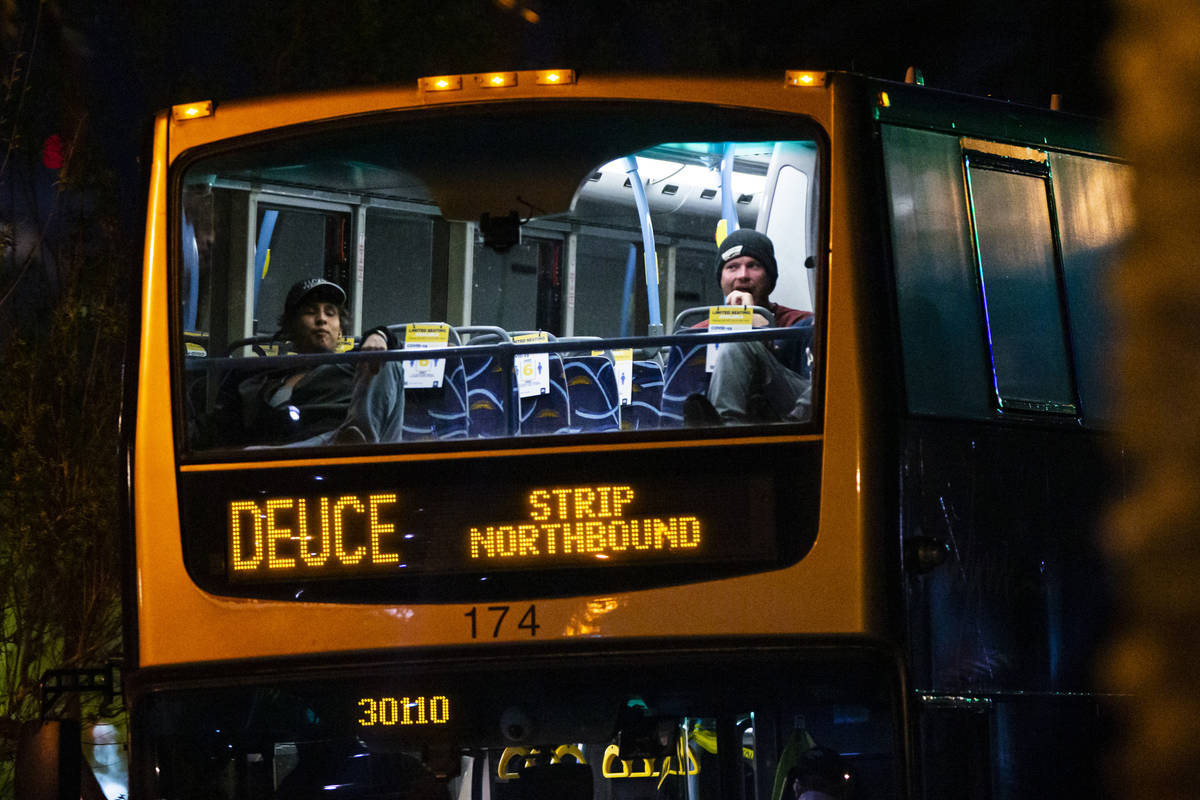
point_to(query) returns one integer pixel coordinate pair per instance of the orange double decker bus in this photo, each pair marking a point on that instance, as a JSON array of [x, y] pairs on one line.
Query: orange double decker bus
[[499, 537]]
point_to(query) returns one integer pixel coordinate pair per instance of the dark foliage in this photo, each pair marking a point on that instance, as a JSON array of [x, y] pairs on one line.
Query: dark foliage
[[63, 306]]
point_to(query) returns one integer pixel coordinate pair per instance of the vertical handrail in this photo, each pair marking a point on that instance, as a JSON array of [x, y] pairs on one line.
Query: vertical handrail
[[651, 256]]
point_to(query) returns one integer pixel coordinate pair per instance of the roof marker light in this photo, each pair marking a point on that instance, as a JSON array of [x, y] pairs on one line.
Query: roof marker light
[[442, 83], [796, 77], [554, 77], [496, 80], [186, 111]]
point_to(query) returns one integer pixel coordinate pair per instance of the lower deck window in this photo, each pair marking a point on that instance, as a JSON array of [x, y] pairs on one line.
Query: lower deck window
[[767, 730]]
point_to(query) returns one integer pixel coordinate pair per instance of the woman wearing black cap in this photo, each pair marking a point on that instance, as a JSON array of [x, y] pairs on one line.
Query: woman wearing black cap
[[327, 403]]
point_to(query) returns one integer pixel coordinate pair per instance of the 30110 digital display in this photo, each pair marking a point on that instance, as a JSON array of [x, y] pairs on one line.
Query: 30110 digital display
[[400, 711]]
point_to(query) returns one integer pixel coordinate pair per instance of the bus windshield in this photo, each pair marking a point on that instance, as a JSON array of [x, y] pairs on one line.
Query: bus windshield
[[556, 266]]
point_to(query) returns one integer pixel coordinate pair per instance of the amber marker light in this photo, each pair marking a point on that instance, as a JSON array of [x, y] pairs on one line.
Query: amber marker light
[[884, 100], [554, 77], [496, 80], [442, 83], [186, 111], [795, 77]]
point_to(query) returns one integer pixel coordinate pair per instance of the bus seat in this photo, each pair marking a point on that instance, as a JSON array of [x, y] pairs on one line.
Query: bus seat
[[486, 381], [261, 345], [697, 317], [491, 394], [644, 410], [684, 375], [547, 413], [207, 387], [550, 412], [592, 389], [795, 353], [437, 412]]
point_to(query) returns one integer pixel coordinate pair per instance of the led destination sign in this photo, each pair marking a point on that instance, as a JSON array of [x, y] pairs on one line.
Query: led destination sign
[[583, 520], [391, 532]]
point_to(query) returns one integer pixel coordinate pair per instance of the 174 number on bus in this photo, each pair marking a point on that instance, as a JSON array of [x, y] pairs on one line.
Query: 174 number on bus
[[493, 617]]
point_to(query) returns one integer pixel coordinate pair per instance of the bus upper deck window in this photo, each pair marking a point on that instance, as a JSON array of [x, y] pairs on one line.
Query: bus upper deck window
[[636, 244]]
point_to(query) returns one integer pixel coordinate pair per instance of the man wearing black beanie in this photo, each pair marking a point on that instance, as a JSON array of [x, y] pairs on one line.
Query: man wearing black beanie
[[749, 384], [742, 248]]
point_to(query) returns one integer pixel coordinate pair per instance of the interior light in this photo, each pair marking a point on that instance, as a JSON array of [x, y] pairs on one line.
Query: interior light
[[496, 80], [552, 77], [795, 77], [442, 83], [186, 111]]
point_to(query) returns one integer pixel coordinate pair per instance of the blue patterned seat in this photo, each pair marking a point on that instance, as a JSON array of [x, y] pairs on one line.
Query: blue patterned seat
[[592, 389], [644, 410], [437, 412], [683, 375], [491, 394], [550, 412]]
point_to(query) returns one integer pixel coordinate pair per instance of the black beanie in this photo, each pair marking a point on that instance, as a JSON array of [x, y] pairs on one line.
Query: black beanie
[[747, 242]]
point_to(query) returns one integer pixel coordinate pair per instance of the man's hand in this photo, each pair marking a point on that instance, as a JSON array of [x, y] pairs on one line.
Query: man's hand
[[374, 341], [740, 298]]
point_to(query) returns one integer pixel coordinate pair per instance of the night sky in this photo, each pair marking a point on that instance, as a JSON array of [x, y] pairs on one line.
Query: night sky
[[96, 73], [133, 57]]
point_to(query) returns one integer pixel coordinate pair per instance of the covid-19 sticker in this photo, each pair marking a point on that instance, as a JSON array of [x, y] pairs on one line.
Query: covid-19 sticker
[[533, 369], [623, 369], [726, 319], [425, 373]]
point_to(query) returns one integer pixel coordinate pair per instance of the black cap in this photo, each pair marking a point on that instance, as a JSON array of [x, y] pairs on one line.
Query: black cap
[[303, 290], [747, 242]]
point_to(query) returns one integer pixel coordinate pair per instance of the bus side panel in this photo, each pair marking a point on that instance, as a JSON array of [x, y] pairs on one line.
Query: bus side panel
[[1004, 341], [1021, 602], [1015, 616]]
